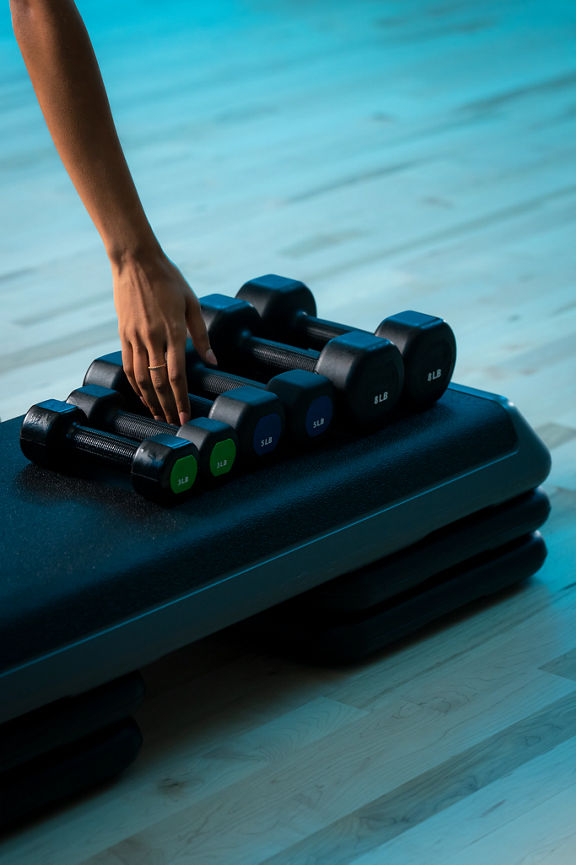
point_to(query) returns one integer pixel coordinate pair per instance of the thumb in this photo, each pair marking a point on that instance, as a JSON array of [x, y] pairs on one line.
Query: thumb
[[199, 334]]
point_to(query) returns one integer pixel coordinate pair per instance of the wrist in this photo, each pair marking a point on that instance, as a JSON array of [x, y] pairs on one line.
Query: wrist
[[135, 254]]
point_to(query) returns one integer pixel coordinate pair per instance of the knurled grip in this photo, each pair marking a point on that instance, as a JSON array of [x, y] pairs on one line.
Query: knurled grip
[[211, 381], [280, 357], [132, 426], [104, 445]]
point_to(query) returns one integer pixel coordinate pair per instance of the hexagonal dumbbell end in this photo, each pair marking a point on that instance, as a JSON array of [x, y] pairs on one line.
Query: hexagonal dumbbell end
[[99, 404], [281, 303], [428, 346], [164, 468], [44, 430], [256, 415], [107, 371], [227, 319], [309, 402], [368, 373], [217, 445]]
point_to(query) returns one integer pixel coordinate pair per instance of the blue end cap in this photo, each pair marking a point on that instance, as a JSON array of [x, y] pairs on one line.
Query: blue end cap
[[267, 434], [319, 416]]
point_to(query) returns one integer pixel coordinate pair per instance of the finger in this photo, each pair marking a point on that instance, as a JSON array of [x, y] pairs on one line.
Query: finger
[[128, 366], [176, 360], [158, 370], [198, 332], [144, 382]]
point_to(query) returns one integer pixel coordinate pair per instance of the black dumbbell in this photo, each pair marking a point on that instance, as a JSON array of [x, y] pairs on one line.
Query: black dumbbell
[[306, 396], [216, 442], [367, 372], [162, 468], [256, 416], [107, 371], [427, 344]]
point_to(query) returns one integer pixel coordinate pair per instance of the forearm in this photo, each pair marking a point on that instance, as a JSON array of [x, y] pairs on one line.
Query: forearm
[[156, 307], [64, 72]]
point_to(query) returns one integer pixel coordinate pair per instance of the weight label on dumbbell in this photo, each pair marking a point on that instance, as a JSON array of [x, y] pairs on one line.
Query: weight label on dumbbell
[[380, 397], [319, 416], [222, 457], [183, 474], [432, 376], [267, 434]]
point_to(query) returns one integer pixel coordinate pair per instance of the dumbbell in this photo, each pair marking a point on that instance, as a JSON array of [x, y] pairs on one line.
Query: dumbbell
[[107, 371], [306, 396], [427, 344], [367, 372], [255, 415], [216, 442], [162, 468]]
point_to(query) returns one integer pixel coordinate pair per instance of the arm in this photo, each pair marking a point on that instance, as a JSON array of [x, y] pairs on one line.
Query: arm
[[154, 303]]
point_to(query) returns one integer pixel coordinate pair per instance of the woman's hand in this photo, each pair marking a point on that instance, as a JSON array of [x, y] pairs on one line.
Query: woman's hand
[[156, 307]]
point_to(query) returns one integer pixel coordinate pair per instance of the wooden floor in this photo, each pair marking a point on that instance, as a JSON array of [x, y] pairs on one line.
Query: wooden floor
[[415, 154]]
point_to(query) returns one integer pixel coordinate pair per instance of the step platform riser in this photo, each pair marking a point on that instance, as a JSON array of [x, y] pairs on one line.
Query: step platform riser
[[329, 642]]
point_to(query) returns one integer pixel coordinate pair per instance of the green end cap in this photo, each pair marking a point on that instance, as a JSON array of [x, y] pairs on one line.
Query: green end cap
[[222, 457], [183, 474]]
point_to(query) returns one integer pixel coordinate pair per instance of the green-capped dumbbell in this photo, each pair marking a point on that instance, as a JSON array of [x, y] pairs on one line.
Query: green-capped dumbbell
[[256, 416], [216, 442], [163, 468]]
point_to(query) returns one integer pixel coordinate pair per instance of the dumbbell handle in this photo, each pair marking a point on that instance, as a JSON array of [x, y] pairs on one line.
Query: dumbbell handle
[[134, 426], [317, 331], [102, 444], [214, 381], [275, 355]]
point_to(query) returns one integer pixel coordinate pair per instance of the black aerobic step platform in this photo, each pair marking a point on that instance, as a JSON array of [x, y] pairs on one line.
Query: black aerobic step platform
[[96, 582]]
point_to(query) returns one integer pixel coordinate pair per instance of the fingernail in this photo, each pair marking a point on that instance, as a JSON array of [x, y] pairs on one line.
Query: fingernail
[[184, 417], [211, 357], [158, 417]]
